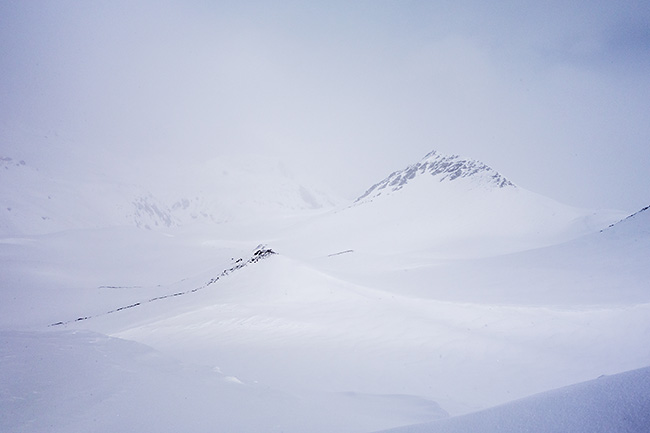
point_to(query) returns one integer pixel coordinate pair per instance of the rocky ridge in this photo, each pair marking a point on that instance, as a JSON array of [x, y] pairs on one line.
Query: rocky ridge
[[442, 167]]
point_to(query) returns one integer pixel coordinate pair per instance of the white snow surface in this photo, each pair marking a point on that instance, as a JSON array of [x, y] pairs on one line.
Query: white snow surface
[[443, 298], [80, 381], [619, 403]]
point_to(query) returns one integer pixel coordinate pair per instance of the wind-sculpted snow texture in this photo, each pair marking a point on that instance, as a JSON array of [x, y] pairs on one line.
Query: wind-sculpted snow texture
[[451, 295], [260, 253], [445, 168], [63, 381]]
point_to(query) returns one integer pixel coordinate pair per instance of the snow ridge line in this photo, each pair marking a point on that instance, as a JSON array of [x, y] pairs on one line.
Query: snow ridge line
[[629, 217], [445, 168], [340, 252], [259, 254]]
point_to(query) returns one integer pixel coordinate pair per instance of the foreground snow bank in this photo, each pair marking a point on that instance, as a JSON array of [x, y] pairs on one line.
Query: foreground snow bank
[[81, 381], [618, 403]]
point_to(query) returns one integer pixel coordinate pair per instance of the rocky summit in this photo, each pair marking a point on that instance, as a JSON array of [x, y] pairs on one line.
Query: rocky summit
[[444, 168]]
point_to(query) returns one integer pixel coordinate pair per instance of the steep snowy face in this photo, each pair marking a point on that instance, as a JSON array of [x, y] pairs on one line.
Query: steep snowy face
[[443, 168]]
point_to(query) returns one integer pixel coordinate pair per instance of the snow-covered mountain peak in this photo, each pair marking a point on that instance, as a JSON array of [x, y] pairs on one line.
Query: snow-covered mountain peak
[[448, 206], [443, 168]]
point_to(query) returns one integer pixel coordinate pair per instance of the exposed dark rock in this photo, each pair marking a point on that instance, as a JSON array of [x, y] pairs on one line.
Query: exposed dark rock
[[445, 168]]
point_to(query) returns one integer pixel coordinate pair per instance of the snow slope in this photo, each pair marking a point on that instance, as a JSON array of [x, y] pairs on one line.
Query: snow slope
[[276, 322], [619, 403], [292, 327], [451, 294], [608, 268], [449, 207], [82, 381]]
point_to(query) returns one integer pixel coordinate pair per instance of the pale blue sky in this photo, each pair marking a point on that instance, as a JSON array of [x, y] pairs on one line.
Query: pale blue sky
[[555, 96]]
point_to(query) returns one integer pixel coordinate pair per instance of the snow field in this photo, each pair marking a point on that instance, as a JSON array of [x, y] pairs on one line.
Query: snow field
[[440, 298]]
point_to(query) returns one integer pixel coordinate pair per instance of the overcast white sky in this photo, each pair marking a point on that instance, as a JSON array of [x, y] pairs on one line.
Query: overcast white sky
[[555, 95]]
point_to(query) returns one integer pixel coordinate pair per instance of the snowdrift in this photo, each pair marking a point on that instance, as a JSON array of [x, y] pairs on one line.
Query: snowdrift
[[63, 381], [609, 404]]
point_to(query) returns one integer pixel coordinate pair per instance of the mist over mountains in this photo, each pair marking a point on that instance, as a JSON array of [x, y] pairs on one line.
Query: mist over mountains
[[215, 191], [442, 291], [37, 202], [324, 217]]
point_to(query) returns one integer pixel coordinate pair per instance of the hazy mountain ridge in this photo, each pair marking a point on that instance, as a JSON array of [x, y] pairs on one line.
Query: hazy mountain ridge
[[444, 278], [448, 203], [37, 202], [438, 194], [443, 168], [33, 202]]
